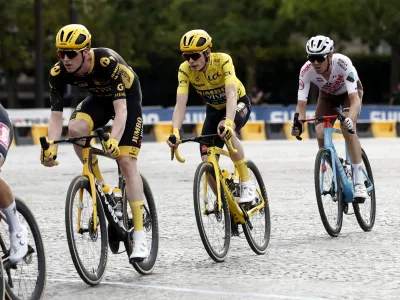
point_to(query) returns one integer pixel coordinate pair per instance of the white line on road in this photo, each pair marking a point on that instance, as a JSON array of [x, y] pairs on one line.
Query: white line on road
[[188, 290]]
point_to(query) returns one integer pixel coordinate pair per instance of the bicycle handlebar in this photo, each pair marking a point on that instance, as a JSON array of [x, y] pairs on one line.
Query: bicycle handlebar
[[198, 139], [342, 117], [103, 136], [296, 121]]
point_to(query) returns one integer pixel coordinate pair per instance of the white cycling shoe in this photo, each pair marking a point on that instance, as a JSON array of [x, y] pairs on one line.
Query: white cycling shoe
[[247, 192], [140, 250], [19, 245], [360, 191]]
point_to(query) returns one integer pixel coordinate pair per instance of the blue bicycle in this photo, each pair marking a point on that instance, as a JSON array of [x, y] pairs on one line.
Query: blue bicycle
[[334, 186]]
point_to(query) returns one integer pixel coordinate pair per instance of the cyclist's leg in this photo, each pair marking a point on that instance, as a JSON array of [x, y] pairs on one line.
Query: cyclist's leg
[[129, 146], [243, 111], [354, 148], [18, 232], [325, 106], [90, 114], [213, 118]]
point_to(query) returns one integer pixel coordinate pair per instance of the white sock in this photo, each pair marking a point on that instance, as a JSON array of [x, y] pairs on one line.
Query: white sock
[[358, 175], [12, 218]]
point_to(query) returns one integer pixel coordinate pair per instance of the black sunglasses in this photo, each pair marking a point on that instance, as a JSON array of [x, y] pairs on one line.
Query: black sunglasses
[[69, 53], [318, 58], [194, 56]]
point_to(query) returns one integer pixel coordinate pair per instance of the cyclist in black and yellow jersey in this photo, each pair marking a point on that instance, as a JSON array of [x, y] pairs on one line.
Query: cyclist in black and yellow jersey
[[213, 76], [115, 92]]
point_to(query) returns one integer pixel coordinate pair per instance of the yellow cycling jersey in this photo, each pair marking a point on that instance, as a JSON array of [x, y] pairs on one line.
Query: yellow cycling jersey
[[211, 85]]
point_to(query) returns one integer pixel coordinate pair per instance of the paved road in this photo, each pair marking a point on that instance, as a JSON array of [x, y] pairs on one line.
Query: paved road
[[302, 262]]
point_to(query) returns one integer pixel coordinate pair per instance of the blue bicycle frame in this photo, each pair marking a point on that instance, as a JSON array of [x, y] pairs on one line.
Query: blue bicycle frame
[[347, 183]]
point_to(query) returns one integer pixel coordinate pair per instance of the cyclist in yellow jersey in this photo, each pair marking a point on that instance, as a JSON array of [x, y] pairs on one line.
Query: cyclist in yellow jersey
[[213, 76]]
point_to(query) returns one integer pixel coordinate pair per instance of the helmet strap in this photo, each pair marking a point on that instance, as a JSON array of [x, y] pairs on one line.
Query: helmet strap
[[207, 57], [329, 63], [83, 60]]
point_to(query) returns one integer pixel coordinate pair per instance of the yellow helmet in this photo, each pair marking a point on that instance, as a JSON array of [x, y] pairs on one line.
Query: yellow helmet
[[73, 37], [195, 41]]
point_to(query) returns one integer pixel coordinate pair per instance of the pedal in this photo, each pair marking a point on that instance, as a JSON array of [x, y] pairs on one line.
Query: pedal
[[136, 260], [359, 200]]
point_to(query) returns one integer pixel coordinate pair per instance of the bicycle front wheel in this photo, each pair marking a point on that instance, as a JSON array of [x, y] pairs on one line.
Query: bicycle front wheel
[[365, 211], [87, 245], [2, 282], [329, 202], [150, 227], [214, 224], [27, 278], [258, 230]]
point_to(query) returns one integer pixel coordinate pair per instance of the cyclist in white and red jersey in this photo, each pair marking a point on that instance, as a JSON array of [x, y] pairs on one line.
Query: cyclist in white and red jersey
[[338, 84]]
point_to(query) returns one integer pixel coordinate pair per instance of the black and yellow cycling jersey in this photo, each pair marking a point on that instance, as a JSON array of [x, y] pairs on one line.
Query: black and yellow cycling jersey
[[109, 79], [211, 85], [109, 76]]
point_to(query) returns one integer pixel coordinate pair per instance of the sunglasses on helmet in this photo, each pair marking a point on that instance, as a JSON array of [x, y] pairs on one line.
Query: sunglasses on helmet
[[69, 53], [194, 56], [316, 57]]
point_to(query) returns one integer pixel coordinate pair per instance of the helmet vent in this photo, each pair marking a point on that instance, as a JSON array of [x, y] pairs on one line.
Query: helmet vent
[[68, 36], [62, 35], [201, 42], [81, 38]]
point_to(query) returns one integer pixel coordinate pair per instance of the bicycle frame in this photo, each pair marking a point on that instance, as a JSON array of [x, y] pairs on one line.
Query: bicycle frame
[[239, 214], [87, 151], [347, 183]]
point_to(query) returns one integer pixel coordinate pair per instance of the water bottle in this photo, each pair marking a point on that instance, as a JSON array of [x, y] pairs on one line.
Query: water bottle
[[347, 168], [236, 186], [109, 194], [117, 194]]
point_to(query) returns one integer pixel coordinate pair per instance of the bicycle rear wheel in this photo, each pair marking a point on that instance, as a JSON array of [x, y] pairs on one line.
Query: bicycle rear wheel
[[2, 281], [365, 211], [88, 246], [27, 278], [258, 236], [330, 203], [150, 227], [216, 240]]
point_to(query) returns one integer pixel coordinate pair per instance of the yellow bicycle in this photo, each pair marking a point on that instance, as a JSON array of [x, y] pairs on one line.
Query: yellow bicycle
[[87, 209], [217, 213]]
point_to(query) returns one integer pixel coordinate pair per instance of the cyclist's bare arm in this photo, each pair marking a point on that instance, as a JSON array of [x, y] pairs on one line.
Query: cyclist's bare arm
[[55, 126], [355, 106], [231, 100], [179, 110], [301, 108], [121, 114]]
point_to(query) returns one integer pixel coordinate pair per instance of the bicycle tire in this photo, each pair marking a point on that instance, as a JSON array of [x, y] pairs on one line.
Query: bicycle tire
[[87, 276], [2, 281], [203, 169], [366, 226], [144, 267], [254, 245], [332, 231], [40, 282]]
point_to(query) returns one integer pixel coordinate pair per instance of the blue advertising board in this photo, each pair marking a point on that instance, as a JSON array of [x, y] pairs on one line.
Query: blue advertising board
[[270, 114]]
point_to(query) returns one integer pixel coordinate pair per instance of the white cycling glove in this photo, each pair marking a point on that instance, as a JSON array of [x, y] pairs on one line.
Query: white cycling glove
[[348, 124]]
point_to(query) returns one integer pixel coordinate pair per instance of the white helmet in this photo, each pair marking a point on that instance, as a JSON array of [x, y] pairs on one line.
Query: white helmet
[[319, 45]]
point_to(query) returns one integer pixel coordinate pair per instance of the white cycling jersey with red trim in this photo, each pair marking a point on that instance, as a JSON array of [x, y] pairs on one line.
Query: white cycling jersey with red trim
[[343, 78]]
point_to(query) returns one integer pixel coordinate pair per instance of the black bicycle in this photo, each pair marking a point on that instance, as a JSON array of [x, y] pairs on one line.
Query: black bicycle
[[25, 279], [85, 220]]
